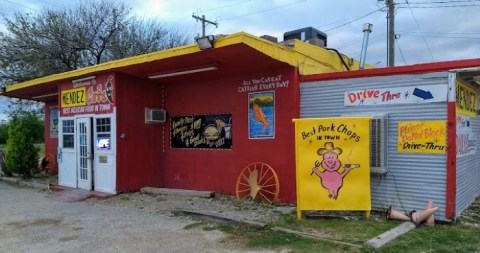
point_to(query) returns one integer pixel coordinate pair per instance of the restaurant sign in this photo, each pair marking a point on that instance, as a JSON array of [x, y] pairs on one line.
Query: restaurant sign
[[89, 95]]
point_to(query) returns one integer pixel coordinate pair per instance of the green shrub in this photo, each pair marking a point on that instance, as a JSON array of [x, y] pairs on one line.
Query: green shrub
[[22, 156]]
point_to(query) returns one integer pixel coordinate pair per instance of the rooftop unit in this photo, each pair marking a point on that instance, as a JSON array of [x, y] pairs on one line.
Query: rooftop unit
[[307, 34]]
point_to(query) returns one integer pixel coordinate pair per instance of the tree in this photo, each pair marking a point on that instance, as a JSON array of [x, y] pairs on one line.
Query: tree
[[22, 155], [93, 32]]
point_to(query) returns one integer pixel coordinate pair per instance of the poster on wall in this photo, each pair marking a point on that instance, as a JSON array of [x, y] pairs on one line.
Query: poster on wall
[[422, 137], [211, 131], [261, 115], [466, 138], [54, 123], [332, 164]]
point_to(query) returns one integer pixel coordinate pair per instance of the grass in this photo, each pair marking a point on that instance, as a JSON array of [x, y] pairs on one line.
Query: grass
[[454, 237]]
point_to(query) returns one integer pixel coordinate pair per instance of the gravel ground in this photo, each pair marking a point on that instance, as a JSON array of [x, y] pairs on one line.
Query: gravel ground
[[221, 206], [154, 208], [31, 221]]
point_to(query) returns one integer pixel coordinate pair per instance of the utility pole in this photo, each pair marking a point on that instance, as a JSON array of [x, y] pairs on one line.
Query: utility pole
[[204, 23], [391, 33]]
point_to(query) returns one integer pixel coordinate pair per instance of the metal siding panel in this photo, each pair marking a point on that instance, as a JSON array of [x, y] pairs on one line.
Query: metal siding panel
[[412, 179], [468, 175]]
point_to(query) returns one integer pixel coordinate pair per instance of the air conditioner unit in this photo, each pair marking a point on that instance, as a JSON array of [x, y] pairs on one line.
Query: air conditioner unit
[[155, 115]]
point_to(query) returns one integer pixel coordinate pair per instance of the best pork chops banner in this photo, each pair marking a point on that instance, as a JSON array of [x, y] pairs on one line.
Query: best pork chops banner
[[333, 164]]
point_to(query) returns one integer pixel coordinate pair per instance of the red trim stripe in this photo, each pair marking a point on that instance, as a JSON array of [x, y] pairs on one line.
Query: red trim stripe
[[410, 69]]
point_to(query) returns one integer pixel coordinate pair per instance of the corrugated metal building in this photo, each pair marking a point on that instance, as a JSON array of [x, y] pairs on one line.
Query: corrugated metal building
[[407, 180]]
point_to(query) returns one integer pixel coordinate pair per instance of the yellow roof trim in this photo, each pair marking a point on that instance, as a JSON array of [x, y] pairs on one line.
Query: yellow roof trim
[[109, 65], [308, 58]]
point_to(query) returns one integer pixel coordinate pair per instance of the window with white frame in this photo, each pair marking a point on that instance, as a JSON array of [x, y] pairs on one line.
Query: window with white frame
[[103, 127], [68, 133]]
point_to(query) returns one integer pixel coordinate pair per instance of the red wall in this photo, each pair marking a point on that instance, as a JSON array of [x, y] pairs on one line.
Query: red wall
[[217, 170], [50, 143], [139, 155]]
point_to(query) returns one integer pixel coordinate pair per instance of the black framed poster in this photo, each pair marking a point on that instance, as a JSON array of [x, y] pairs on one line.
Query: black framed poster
[[210, 131]]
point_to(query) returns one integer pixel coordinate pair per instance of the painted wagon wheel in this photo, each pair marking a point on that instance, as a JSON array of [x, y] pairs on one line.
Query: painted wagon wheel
[[258, 181]]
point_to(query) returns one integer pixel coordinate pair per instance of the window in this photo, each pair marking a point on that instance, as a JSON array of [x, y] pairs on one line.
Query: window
[[378, 142], [68, 132], [103, 126]]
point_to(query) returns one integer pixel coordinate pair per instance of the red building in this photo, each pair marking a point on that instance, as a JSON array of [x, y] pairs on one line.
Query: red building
[[180, 118]]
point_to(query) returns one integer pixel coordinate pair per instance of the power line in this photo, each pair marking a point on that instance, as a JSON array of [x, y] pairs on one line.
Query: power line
[[438, 7], [225, 6], [438, 33], [445, 37], [400, 50], [423, 37], [446, 2], [356, 19], [264, 10], [21, 5]]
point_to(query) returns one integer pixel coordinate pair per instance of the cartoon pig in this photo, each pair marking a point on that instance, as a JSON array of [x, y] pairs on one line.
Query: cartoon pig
[[330, 178]]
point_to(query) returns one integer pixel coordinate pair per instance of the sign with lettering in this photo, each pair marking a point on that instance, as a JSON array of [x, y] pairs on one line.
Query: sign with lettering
[[466, 100], [402, 95], [264, 83], [422, 137], [89, 95], [202, 131], [466, 137], [332, 163], [73, 97]]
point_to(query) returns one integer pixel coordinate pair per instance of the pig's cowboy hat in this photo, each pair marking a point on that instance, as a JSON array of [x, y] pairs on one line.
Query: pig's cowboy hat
[[329, 148]]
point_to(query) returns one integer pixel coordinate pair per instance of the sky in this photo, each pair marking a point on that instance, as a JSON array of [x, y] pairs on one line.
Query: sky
[[426, 30]]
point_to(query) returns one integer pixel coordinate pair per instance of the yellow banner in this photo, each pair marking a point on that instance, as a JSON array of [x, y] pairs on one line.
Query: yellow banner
[[333, 164], [422, 137], [74, 97], [466, 100]]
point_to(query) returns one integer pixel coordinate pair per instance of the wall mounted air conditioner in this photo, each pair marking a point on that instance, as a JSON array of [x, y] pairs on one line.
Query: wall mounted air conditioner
[[153, 115]]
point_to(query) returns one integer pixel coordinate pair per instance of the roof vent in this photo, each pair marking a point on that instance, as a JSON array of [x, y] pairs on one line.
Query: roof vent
[[307, 34], [269, 38]]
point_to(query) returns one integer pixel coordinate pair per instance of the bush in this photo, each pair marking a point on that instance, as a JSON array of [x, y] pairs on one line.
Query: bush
[[22, 155], [3, 133], [5, 170]]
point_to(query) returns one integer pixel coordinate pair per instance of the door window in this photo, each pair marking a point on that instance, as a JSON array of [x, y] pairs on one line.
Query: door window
[[68, 133]]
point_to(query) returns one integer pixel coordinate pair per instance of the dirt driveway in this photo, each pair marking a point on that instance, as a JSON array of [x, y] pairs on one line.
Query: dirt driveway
[[32, 222]]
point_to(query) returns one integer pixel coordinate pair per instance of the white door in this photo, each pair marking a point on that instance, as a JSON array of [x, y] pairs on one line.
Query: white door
[[84, 153], [66, 156]]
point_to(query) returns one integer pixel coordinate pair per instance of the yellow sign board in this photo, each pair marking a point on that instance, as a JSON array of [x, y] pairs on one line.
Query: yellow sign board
[[466, 100], [74, 97], [332, 164], [422, 137]]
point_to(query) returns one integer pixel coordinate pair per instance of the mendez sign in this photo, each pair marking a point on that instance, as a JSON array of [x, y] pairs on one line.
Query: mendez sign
[[88, 95]]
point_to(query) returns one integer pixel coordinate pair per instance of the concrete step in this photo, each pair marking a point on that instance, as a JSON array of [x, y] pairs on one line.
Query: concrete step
[[178, 192]]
